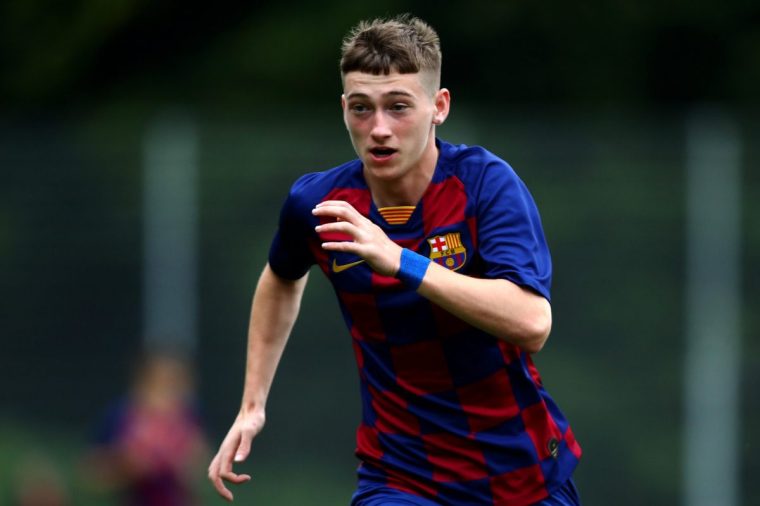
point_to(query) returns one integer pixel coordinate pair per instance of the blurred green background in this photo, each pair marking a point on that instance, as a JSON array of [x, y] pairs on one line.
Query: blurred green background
[[591, 102]]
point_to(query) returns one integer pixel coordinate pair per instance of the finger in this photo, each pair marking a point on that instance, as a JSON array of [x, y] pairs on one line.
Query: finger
[[216, 480], [345, 227], [217, 476], [341, 212], [224, 463], [332, 210], [244, 448], [214, 463], [343, 247], [237, 479], [339, 203], [221, 489], [213, 468]]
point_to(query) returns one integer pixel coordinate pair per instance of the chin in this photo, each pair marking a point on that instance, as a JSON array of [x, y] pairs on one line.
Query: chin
[[384, 171]]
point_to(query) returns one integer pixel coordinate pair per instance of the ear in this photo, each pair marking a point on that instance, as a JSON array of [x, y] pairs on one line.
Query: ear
[[442, 104]]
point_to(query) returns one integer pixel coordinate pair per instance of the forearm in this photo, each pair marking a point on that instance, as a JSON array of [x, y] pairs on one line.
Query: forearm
[[273, 312], [497, 306]]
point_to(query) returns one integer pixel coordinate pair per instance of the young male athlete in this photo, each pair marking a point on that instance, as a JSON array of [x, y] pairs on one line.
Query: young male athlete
[[439, 261]]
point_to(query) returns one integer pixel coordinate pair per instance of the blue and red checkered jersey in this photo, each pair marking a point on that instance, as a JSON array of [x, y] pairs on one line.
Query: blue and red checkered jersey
[[449, 412]]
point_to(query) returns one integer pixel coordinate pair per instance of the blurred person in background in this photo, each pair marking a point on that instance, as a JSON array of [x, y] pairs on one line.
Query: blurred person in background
[[150, 447], [438, 257]]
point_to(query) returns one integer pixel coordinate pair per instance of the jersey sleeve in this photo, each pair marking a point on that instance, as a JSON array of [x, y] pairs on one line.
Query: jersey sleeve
[[511, 239], [289, 254]]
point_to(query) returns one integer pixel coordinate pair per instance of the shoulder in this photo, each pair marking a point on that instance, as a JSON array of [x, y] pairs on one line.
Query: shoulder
[[311, 188], [475, 166]]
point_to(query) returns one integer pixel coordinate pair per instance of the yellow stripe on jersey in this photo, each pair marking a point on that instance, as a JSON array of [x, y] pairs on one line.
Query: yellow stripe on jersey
[[396, 215], [453, 241]]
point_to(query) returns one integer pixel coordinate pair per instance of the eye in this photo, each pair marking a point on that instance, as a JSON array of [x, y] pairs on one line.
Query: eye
[[358, 108], [399, 107]]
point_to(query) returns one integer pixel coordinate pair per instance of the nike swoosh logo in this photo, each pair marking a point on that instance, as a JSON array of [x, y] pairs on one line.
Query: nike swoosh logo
[[340, 268]]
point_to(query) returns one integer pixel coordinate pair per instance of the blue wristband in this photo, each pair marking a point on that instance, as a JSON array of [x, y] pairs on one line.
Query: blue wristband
[[413, 268]]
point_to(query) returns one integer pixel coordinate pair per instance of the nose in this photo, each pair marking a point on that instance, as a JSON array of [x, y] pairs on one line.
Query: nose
[[380, 126]]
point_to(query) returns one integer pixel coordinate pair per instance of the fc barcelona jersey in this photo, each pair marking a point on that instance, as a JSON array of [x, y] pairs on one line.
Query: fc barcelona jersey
[[449, 412]]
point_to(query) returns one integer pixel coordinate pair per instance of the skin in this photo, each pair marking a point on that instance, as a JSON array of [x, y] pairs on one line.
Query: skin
[[273, 312], [396, 112], [391, 120]]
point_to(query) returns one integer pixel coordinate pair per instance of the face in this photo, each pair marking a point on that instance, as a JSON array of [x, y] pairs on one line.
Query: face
[[391, 121]]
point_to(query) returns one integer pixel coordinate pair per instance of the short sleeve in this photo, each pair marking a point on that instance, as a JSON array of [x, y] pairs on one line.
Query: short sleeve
[[289, 254], [511, 239]]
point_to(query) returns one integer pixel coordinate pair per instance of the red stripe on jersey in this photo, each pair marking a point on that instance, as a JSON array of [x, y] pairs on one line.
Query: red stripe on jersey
[[392, 414], [509, 351], [410, 483], [533, 370], [541, 428], [359, 354], [523, 486], [472, 225], [454, 458], [443, 204], [385, 282], [488, 402], [365, 319], [421, 368], [360, 199], [368, 444], [446, 324]]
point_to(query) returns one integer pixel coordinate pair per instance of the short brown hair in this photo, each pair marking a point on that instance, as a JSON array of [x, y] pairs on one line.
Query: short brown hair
[[404, 44]]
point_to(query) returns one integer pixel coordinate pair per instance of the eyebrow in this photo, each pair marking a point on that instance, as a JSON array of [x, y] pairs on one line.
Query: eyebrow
[[392, 93]]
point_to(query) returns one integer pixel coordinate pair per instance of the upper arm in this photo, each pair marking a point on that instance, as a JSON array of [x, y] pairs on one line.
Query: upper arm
[[275, 287], [511, 240], [275, 306]]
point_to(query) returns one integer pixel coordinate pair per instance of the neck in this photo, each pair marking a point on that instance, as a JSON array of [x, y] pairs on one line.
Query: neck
[[408, 189]]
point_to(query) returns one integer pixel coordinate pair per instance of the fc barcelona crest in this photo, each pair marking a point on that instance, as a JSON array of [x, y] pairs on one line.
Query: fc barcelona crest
[[448, 250]]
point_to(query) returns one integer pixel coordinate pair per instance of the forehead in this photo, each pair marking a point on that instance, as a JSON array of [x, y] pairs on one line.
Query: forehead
[[362, 83]]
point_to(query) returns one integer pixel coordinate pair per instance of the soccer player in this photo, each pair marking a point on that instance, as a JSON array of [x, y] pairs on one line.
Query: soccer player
[[442, 272]]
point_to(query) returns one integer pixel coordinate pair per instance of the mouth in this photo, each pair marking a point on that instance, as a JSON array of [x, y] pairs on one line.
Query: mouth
[[381, 153]]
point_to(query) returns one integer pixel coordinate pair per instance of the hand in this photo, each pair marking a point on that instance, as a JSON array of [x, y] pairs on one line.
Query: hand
[[235, 448], [369, 240]]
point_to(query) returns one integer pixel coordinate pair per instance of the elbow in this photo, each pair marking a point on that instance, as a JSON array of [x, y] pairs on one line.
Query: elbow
[[535, 342], [536, 336], [534, 331]]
